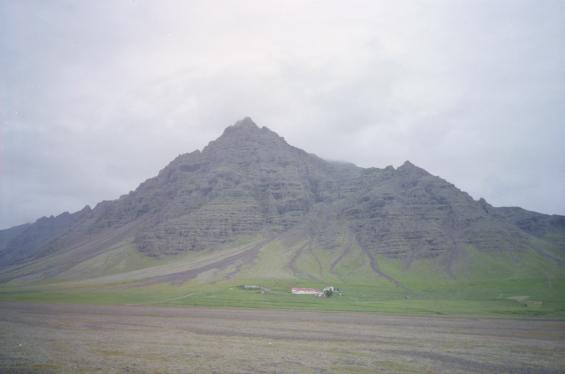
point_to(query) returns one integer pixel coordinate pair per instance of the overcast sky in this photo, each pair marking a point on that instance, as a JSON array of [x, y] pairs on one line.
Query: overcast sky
[[97, 96]]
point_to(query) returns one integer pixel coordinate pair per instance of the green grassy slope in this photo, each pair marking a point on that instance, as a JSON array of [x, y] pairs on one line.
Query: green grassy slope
[[500, 284]]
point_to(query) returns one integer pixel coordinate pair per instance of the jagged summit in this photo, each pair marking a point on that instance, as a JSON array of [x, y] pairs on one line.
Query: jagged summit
[[248, 136], [409, 168], [245, 123], [246, 126]]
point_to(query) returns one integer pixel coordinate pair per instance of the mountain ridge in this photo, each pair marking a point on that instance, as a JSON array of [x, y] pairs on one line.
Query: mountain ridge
[[251, 183]]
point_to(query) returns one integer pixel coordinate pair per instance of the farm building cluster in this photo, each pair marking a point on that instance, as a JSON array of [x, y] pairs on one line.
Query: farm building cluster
[[326, 292]]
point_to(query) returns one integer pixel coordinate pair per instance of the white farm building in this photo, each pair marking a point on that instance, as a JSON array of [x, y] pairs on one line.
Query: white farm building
[[307, 291]]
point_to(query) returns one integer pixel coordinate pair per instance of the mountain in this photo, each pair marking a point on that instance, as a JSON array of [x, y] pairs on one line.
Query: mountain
[[250, 189]]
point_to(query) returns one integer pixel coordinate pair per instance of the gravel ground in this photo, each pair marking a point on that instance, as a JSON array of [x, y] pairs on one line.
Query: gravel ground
[[114, 339]]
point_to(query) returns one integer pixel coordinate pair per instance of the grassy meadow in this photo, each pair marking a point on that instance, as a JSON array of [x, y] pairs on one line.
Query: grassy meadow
[[484, 285]]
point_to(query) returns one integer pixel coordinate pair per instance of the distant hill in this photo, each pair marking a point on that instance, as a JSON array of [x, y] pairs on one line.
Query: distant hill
[[259, 207]]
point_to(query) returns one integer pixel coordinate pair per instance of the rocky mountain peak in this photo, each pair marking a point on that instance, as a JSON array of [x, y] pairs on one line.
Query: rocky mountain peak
[[246, 123], [408, 168], [245, 127], [246, 136]]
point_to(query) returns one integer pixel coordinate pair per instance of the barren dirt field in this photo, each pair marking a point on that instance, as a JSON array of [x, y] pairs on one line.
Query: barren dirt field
[[83, 338]]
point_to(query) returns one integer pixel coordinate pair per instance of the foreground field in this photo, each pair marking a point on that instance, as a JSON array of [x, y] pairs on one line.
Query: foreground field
[[84, 338]]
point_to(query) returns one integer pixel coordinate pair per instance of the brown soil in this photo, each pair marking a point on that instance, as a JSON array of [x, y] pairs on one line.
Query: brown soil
[[82, 338]]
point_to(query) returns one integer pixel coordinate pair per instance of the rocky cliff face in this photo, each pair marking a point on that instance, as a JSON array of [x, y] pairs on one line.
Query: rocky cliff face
[[249, 181]]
